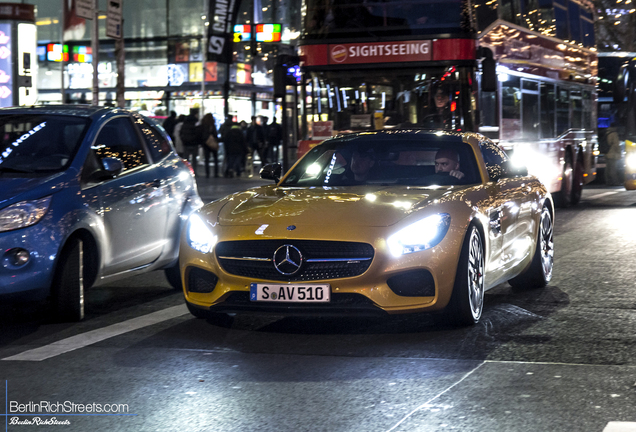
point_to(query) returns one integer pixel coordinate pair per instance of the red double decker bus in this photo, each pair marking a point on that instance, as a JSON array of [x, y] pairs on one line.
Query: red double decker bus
[[522, 72]]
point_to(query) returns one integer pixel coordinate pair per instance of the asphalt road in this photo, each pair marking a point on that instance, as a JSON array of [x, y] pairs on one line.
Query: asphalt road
[[562, 358]]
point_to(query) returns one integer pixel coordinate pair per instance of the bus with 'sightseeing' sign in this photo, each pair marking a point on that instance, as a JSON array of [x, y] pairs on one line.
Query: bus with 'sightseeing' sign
[[523, 73]]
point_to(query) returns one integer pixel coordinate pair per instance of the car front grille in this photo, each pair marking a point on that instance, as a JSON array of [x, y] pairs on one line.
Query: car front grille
[[320, 259]]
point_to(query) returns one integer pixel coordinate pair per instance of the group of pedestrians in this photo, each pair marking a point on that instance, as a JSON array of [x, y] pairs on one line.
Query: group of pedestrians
[[239, 140]]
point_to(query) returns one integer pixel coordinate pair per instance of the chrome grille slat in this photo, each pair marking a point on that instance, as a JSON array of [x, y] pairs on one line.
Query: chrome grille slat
[[322, 259]]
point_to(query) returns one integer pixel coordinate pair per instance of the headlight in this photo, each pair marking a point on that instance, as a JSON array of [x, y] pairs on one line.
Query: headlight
[[421, 235], [200, 236], [630, 162], [23, 214]]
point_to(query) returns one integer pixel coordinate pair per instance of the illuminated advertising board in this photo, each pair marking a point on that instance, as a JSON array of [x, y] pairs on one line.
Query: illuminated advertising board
[[6, 66]]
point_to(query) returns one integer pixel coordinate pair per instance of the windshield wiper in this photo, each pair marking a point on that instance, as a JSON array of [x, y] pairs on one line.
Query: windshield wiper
[[15, 170]]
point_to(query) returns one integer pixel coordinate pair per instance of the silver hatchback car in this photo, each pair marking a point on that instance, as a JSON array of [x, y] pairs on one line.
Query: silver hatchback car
[[88, 195]]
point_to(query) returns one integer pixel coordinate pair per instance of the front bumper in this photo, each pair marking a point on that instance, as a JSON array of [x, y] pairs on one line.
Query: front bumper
[[33, 277], [373, 292]]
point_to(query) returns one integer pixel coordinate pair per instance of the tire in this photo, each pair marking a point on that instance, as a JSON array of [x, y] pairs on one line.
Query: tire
[[173, 274], [467, 301], [539, 273], [563, 198], [68, 283]]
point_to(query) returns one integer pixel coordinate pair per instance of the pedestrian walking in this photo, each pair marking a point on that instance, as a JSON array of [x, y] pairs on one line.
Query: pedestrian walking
[[211, 147], [192, 136], [235, 150], [256, 140], [274, 138], [178, 144], [169, 124]]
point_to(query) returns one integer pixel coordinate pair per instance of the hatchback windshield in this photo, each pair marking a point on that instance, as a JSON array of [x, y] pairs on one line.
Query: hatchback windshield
[[38, 143], [417, 162]]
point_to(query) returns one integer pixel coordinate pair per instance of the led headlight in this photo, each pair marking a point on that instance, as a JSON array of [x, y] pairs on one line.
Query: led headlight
[[630, 162], [23, 214], [200, 236], [421, 235]]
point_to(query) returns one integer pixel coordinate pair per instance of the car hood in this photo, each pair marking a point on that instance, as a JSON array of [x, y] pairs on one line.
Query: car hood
[[356, 206], [14, 189]]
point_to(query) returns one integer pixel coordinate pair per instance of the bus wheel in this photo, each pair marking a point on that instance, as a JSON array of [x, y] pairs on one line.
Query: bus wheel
[[577, 182], [563, 198]]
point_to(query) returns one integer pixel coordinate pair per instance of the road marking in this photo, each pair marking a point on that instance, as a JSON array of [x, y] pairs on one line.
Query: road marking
[[620, 427], [601, 195], [81, 340], [428, 402]]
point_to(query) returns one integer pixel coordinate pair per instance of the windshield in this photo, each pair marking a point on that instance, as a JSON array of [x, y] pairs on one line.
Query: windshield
[[39, 143], [425, 161], [354, 100], [339, 18]]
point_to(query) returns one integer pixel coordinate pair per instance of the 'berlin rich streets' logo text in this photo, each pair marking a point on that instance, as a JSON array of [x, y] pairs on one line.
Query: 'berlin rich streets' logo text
[[55, 413]]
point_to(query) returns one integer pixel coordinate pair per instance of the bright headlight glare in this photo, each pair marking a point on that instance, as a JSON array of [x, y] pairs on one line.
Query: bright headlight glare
[[23, 214], [630, 162], [200, 236], [421, 235]]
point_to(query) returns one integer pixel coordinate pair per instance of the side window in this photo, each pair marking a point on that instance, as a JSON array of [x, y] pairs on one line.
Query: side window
[[157, 144], [494, 157], [119, 139]]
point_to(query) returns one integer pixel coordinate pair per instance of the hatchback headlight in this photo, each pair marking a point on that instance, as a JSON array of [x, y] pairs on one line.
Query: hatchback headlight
[[200, 236], [23, 214], [421, 235]]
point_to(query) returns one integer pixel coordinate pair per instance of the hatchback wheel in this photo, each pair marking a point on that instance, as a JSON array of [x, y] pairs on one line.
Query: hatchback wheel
[[68, 283], [467, 301]]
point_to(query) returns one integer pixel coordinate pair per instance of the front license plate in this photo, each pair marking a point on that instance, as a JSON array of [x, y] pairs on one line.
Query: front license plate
[[290, 293]]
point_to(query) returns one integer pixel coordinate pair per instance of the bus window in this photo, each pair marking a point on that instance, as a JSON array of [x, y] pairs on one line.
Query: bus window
[[547, 110], [511, 108], [588, 110], [577, 109], [530, 109], [353, 99], [563, 110]]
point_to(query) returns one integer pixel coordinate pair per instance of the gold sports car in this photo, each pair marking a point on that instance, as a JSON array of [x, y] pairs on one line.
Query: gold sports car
[[384, 222]]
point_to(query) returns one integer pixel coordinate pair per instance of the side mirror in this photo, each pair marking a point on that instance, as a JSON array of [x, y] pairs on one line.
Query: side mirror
[[511, 170], [112, 166], [272, 172]]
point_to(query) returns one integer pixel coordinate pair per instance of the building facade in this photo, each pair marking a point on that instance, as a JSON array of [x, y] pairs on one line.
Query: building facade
[[164, 61]]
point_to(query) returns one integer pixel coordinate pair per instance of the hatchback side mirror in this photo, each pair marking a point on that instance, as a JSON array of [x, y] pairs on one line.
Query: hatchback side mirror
[[112, 166], [272, 172]]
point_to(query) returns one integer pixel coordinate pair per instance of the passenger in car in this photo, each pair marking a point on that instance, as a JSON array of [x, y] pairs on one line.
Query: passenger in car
[[361, 164]]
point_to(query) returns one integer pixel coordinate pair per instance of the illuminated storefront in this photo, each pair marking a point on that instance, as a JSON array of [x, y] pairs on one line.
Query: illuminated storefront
[[164, 65]]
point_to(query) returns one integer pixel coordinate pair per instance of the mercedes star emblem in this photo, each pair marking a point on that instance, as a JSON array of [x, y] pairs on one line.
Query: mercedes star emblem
[[288, 259]]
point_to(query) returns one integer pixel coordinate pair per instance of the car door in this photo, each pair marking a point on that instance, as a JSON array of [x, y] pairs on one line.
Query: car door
[[174, 186], [132, 204], [511, 195]]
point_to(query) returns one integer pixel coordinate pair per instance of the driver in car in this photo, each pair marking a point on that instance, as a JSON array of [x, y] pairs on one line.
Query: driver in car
[[447, 161]]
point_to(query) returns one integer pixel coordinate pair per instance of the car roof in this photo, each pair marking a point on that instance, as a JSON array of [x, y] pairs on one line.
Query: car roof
[[88, 111], [406, 135]]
